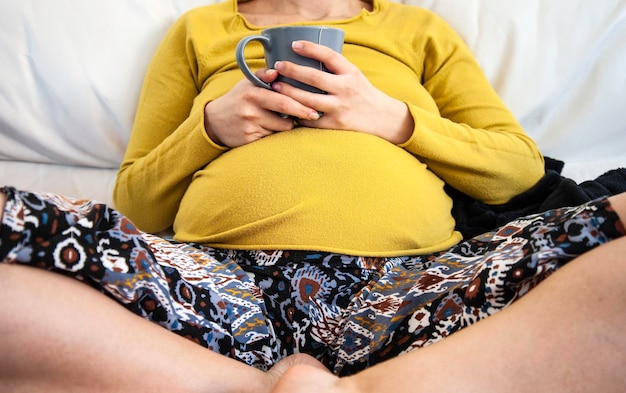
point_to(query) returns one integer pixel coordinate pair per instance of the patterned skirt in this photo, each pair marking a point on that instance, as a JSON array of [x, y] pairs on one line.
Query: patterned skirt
[[350, 312]]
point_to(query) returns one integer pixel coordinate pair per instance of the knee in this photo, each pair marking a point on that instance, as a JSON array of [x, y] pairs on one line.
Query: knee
[[618, 203], [3, 202]]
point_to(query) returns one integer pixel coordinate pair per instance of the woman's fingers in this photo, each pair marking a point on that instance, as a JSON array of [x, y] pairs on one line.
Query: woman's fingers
[[285, 106], [267, 75], [335, 62], [308, 75], [331, 82]]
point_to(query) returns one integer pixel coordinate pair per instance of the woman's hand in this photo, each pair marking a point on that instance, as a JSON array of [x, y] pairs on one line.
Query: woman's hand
[[247, 113], [351, 102]]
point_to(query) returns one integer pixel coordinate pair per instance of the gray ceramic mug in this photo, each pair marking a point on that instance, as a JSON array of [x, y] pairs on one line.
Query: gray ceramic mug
[[277, 41]]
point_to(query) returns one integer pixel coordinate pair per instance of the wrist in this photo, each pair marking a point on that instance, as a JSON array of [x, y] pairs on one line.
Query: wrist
[[3, 201], [401, 122], [208, 129]]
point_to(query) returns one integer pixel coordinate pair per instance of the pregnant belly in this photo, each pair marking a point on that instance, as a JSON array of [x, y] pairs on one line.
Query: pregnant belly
[[317, 190]]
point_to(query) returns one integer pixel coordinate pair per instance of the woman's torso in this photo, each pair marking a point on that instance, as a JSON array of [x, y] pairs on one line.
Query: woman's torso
[[317, 189]]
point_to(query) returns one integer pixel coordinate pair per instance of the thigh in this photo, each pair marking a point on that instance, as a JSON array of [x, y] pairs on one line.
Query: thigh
[[421, 300], [178, 286]]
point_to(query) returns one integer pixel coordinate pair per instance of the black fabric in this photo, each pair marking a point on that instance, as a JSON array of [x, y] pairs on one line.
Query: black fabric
[[552, 191]]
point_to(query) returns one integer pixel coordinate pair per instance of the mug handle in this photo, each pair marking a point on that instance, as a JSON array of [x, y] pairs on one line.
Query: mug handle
[[241, 61]]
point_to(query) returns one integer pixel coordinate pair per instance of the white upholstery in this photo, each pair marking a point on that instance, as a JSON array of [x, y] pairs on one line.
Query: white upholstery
[[71, 70]]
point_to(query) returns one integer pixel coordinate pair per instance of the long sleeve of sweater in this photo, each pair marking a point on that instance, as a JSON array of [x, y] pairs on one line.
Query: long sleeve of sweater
[[169, 143], [474, 143]]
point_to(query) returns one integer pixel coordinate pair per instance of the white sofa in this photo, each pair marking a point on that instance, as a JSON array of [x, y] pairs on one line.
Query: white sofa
[[71, 70]]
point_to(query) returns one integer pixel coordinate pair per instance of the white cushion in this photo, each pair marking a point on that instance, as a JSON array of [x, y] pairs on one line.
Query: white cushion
[[71, 72]]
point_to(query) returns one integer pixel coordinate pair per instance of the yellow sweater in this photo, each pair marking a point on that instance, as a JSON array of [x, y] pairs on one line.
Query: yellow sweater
[[314, 189]]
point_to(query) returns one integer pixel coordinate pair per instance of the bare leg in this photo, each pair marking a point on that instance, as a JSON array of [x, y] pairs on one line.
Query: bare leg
[[57, 334], [3, 202], [565, 335]]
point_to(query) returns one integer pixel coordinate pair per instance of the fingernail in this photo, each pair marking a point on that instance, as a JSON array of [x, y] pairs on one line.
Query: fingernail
[[278, 65], [277, 87], [314, 115], [296, 45], [269, 71]]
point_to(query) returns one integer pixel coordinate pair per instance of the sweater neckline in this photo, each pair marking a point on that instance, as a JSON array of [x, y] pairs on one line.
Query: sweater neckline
[[331, 22]]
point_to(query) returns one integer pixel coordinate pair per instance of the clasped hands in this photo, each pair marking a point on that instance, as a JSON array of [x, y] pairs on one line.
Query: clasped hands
[[248, 113]]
